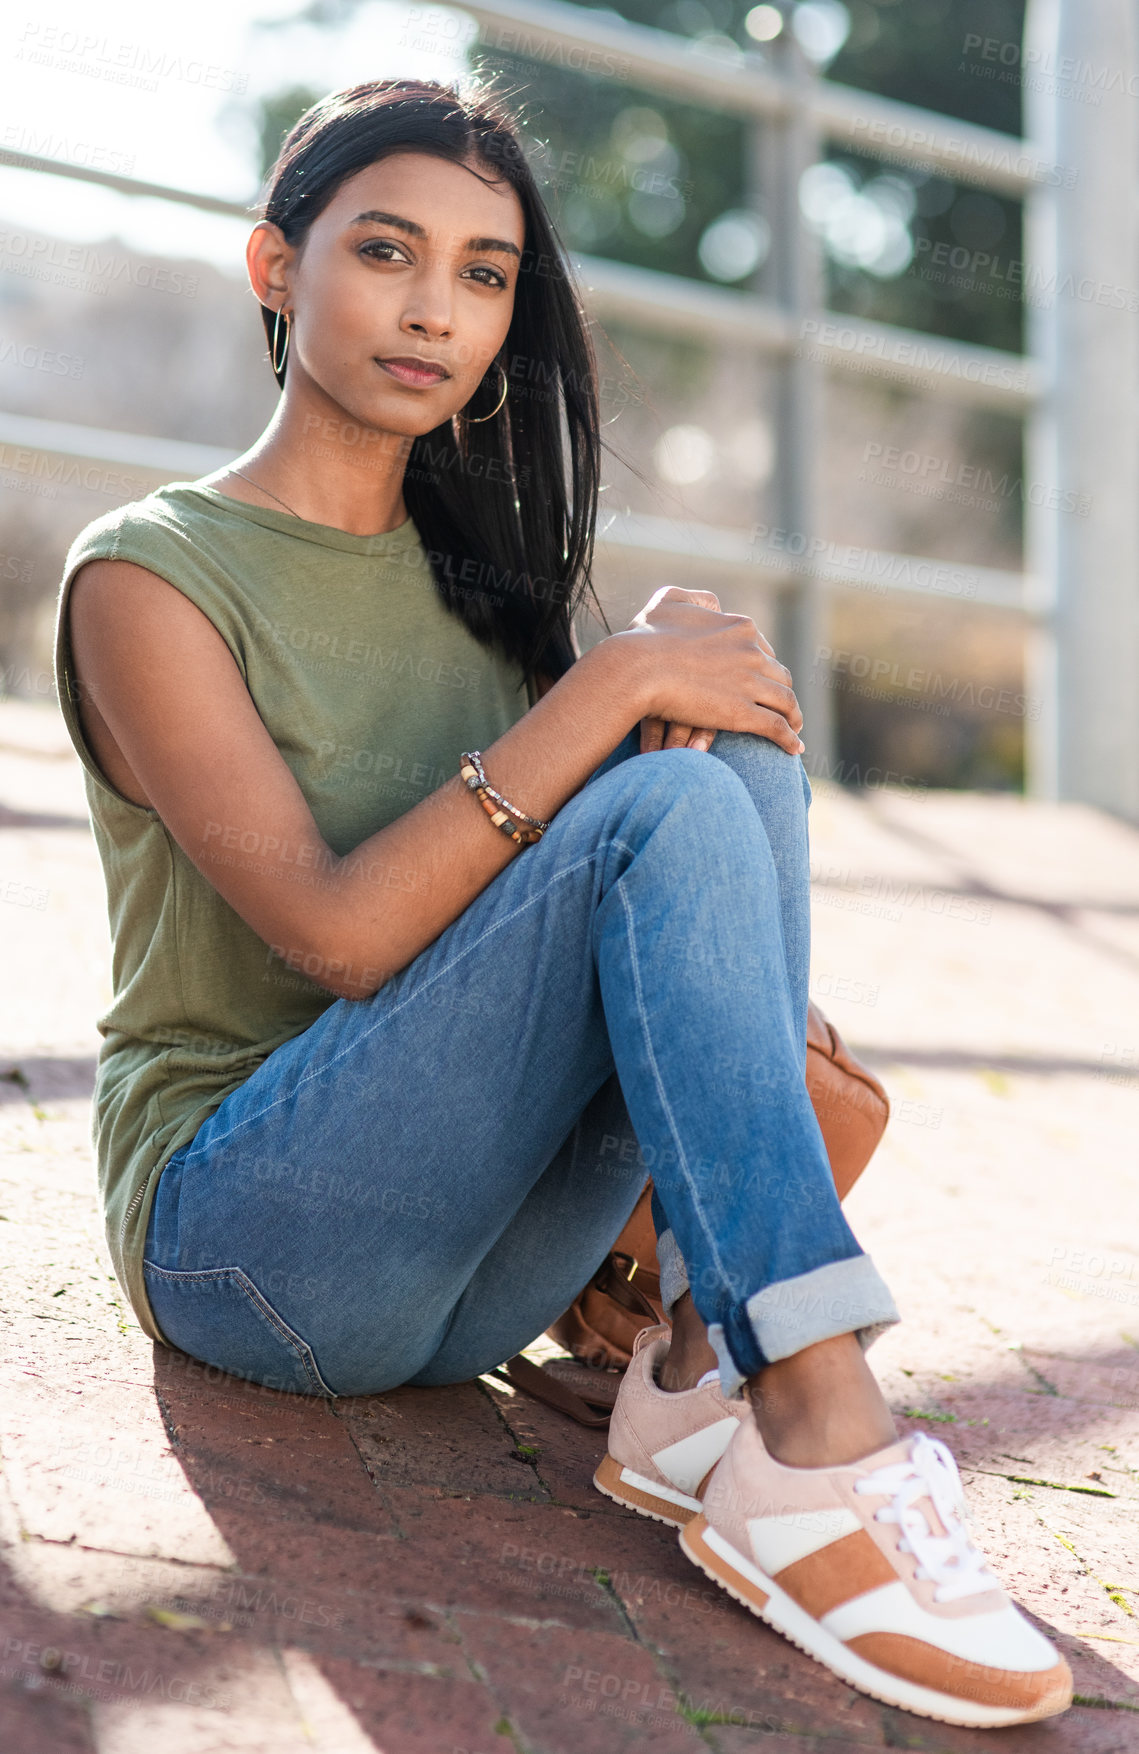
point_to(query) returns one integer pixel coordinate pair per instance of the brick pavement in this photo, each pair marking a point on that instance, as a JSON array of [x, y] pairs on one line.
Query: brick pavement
[[193, 1563]]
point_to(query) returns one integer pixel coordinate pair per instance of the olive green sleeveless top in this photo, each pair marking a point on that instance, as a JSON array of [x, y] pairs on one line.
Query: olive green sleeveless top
[[370, 687]]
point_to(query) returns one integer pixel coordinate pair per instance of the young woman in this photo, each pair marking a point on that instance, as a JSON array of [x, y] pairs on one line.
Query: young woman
[[390, 1053]]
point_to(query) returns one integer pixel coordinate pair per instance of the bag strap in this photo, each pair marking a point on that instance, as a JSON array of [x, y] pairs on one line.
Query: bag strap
[[613, 1280], [522, 1373]]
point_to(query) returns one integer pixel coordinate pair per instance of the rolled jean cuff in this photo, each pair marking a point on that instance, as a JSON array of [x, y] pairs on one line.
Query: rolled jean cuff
[[673, 1272], [841, 1298]]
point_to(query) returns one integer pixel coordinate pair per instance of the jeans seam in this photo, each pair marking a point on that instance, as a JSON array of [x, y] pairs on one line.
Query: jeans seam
[[680, 1156], [382, 1022], [263, 1308]]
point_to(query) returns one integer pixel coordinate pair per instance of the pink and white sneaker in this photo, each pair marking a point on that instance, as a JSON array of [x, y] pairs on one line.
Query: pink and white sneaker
[[663, 1446], [870, 1569]]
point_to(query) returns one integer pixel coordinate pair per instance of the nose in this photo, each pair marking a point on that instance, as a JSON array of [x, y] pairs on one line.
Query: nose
[[429, 312]]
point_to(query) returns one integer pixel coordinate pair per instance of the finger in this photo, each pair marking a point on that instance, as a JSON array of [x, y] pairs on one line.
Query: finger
[[768, 690], [794, 715], [701, 739], [677, 737], [772, 666], [774, 726], [652, 734]]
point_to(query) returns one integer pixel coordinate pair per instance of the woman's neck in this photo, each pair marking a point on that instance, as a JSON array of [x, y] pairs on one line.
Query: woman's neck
[[326, 469]]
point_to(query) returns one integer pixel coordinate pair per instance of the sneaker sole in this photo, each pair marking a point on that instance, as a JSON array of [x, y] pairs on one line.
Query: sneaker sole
[[665, 1504], [721, 1562]]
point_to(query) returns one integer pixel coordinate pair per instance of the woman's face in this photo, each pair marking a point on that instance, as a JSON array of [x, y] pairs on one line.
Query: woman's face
[[414, 259]]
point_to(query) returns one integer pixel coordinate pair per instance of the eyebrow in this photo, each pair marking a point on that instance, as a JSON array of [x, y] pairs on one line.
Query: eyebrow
[[416, 231]]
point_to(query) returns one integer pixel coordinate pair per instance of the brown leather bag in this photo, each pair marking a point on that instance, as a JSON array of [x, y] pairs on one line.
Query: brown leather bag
[[623, 1296]]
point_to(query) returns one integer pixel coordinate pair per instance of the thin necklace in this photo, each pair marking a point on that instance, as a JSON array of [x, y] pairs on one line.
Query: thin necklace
[[280, 501], [261, 489]]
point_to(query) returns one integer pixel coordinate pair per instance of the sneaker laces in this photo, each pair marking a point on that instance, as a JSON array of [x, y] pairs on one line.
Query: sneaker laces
[[951, 1561]]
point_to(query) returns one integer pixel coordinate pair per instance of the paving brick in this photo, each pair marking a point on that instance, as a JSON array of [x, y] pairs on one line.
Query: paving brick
[[68, 1353], [116, 1668], [1112, 1379], [735, 1737], [349, 1709], [1076, 1731], [271, 1469], [55, 1270], [322, 1609], [35, 1720], [529, 1561], [241, 1704], [568, 1453], [1039, 1433], [451, 1438], [105, 1475], [724, 1660], [596, 1693]]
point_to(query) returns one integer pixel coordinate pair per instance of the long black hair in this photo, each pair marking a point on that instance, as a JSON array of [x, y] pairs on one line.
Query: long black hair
[[508, 528]]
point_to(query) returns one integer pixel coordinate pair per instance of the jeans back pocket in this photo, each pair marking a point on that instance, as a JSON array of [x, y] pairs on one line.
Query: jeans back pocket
[[220, 1317]]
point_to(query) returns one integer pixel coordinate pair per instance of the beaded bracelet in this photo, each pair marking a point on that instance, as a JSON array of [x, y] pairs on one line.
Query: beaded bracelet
[[472, 772]]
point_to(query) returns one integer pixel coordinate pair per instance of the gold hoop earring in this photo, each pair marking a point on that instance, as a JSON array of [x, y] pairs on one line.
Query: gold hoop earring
[[476, 419], [278, 364]]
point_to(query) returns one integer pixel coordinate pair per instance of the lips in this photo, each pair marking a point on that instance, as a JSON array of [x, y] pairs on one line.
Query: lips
[[413, 371]]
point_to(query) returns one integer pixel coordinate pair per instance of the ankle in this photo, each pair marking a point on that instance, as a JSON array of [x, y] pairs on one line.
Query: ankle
[[822, 1407], [676, 1375], [689, 1356]]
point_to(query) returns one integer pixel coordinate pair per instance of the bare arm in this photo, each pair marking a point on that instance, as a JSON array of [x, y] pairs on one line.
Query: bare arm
[[146, 659], [162, 687]]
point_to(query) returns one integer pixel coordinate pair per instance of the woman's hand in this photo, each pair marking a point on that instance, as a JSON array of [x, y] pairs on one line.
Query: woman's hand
[[658, 733], [721, 661]]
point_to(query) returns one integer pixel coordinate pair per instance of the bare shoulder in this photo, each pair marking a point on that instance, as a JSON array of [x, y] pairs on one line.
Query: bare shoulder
[[172, 724], [94, 601]]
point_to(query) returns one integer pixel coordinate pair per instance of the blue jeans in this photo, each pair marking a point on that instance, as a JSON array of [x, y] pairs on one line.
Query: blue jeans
[[418, 1184]]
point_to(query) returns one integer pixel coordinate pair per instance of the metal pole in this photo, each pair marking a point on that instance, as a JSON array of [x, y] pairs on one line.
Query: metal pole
[[1082, 441], [782, 149]]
